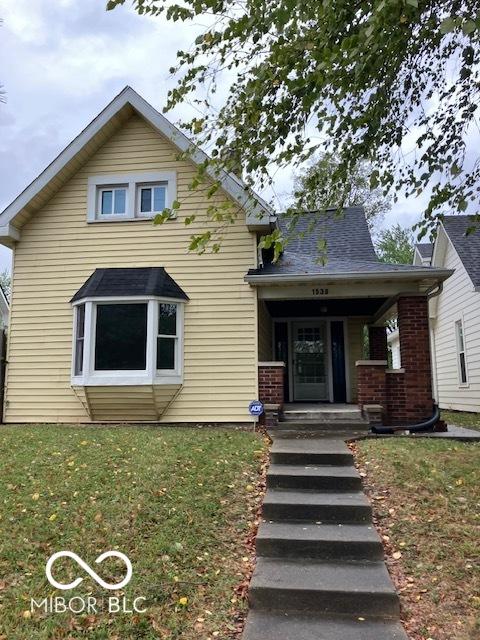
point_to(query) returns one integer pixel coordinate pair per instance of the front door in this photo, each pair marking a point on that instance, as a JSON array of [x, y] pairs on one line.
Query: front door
[[310, 363]]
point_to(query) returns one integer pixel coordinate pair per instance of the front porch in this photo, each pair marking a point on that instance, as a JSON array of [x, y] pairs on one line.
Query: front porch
[[327, 355]]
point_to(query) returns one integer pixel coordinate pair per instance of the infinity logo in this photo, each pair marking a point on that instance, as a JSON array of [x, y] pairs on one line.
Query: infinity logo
[[87, 569]]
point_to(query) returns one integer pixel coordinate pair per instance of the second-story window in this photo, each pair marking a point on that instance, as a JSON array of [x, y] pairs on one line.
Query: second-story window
[[112, 201], [151, 199], [133, 196]]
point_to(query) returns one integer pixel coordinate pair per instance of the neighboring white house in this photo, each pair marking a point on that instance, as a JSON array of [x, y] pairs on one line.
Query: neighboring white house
[[455, 314], [393, 340], [4, 309]]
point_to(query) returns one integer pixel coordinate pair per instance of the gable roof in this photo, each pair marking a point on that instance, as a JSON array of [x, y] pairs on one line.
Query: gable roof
[[131, 281], [258, 213], [467, 247], [349, 250], [425, 249]]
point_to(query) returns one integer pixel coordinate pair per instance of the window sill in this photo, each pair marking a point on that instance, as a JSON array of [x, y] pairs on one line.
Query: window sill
[[127, 380], [126, 219]]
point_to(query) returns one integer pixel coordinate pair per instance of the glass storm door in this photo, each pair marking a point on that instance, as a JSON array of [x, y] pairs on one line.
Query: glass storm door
[[309, 352]]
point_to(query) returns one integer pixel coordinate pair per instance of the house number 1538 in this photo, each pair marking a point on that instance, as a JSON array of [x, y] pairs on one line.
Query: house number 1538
[[319, 292]]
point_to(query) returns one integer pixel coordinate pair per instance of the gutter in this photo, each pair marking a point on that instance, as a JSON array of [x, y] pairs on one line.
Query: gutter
[[439, 274]]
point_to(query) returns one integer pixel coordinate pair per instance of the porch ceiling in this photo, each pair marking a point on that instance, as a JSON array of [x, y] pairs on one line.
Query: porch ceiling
[[324, 307]]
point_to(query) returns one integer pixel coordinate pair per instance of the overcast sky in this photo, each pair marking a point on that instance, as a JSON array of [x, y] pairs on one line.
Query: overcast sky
[[62, 61]]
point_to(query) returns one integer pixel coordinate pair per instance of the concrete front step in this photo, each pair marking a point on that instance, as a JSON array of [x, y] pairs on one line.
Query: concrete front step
[[316, 478], [326, 541], [338, 588], [268, 625], [291, 505], [310, 451]]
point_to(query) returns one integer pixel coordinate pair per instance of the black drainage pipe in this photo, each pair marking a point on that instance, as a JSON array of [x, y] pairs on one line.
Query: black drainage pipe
[[420, 427]]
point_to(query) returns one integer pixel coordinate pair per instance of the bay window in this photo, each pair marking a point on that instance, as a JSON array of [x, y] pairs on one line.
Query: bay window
[[79, 339], [127, 342]]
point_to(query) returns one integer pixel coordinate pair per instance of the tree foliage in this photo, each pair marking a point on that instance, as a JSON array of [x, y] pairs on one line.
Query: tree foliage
[[395, 245], [313, 189], [393, 81]]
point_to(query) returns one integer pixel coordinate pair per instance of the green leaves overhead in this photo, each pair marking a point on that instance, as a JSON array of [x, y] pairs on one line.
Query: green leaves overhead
[[393, 82]]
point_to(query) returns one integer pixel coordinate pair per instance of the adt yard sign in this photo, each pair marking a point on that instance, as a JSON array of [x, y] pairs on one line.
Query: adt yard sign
[[255, 408]]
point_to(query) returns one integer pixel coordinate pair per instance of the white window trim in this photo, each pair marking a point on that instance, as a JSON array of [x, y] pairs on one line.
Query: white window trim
[[131, 180], [461, 384], [150, 376], [98, 201]]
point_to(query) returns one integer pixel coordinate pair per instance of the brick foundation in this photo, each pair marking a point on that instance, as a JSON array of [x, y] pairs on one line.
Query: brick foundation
[[377, 341]]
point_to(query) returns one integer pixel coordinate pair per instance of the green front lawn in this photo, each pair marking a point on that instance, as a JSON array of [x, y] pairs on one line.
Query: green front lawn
[[178, 502], [426, 500], [462, 419]]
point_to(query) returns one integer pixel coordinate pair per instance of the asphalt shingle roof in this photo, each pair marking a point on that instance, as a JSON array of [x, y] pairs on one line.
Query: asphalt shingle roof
[[467, 247], [140, 281], [349, 246], [425, 249]]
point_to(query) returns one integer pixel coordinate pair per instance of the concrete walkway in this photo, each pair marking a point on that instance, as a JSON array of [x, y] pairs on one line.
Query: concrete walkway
[[320, 573]]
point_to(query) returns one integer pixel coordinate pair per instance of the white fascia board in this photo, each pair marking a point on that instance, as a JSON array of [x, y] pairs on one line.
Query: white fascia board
[[433, 274], [256, 209]]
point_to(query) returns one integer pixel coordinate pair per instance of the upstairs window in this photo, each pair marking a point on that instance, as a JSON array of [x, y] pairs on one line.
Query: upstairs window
[[131, 196], [151, 199], [112, 201], [461, 356]]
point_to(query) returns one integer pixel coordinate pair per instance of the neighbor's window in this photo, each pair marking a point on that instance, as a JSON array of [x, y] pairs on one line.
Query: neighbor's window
[[112, 201], [167, 337], [461, 359], [121, 337], [151, 199], [79, 339]]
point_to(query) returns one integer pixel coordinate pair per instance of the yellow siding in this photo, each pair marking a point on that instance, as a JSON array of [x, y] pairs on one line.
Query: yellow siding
[[265, 327], [58, 252], [355, 351]]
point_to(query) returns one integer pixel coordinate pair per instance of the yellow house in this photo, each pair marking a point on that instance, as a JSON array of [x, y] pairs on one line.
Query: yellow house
[[113, 319]]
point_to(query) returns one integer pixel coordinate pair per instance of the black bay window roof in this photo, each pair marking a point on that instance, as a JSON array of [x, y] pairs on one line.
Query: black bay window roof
[[130, 282]]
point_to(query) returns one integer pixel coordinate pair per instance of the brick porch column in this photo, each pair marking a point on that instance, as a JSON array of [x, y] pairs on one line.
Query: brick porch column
[[415, 357], [372, 387], [377, 340], [270, 390]]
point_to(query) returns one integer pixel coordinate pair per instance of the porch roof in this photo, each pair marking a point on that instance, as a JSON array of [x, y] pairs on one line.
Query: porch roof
[[350, 254], [290, 271]]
